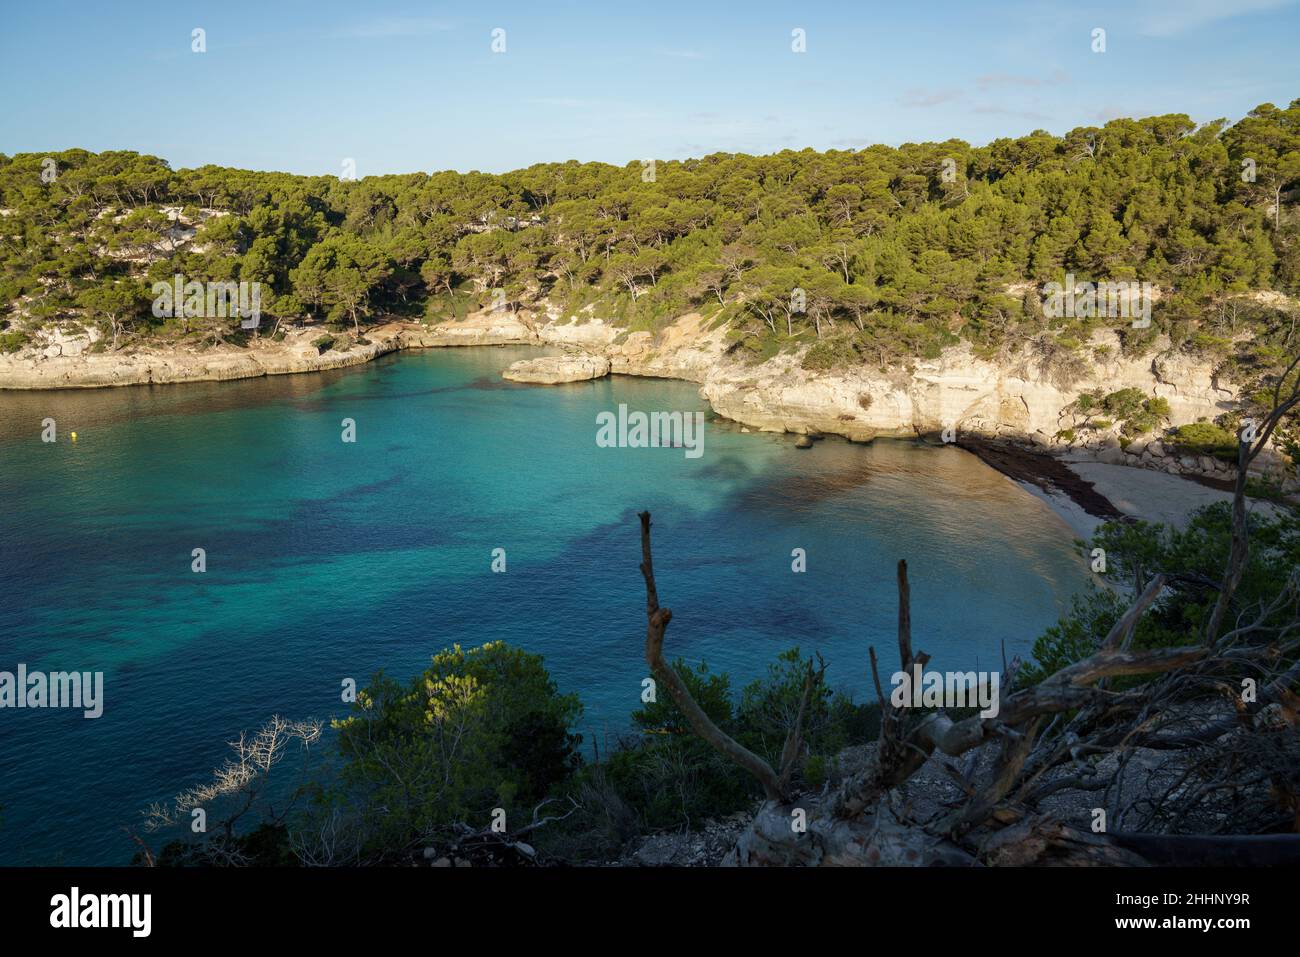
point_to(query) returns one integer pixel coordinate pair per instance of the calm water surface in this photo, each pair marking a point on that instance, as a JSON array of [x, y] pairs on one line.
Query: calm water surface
[[328, 560]]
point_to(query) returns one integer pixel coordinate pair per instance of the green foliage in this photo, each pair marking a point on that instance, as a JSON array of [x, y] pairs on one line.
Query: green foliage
[[266, 845], [11, 340], [480, 729], [868, 255], [829, 354], [1205, 438], [341, 275], [1124, 403], [1131, 409], [1193, 560], [769, 707], [1265, 487], [120, 303], [670, 777], [1074, 637]]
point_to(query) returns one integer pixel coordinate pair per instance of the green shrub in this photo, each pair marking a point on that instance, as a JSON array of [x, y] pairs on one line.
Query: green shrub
[[479, 729], [828, 354], [667, 774], [1074, 637], [1265, 487], [1130, 409], [1205, 438], [769, 706], [12, 340], [1189, 557], [671, 778], [1124, 403]]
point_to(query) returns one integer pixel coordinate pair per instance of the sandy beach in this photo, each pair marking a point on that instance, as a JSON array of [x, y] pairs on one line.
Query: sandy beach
[[1134, 493]]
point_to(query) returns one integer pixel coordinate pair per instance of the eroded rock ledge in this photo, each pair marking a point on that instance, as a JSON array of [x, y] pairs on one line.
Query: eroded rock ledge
[[552, 370], [958, 393]]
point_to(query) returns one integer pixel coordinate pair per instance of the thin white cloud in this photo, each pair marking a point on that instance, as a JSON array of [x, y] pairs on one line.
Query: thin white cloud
[[567, 102], [1165, 18], [928, 98], [995, 110], [994, 80], [1108, 113], [681, 54], [384, 27]]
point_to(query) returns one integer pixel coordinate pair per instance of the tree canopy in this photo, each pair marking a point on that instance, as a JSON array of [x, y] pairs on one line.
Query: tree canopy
[[873, 255]]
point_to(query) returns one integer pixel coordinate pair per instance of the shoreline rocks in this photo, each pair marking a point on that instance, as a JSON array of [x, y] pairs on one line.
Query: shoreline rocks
[[957, 393], [554, 370]]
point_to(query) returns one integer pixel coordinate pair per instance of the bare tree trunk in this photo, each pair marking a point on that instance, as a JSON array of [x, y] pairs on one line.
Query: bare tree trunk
[[858, 823]]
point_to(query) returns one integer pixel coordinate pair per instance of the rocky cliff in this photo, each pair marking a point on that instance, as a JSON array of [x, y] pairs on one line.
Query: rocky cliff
[[958, 394], [955, 395]]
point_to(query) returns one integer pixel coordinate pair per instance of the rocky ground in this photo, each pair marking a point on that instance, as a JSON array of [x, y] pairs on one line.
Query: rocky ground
[[552, 370], [69, 365], [706, 847], [1146, 778]]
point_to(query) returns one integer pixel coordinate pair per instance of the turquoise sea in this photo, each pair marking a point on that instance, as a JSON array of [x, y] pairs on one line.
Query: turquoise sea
[[328, 560]]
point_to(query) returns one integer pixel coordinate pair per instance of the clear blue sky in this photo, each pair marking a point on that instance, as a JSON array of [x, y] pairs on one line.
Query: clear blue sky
[[400, 87]]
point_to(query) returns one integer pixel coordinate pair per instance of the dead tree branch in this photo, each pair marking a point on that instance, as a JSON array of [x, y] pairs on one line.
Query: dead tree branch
[[657, 620]]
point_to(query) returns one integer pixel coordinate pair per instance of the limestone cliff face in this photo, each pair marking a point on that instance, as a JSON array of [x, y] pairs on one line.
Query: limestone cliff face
[[961, 395], [1015, 399], [553, 370], [489, 328], [957, 391], [79, 368]]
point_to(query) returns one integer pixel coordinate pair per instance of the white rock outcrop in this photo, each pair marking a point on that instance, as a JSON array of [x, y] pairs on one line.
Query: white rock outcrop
[[1014, 398], [552, 370]]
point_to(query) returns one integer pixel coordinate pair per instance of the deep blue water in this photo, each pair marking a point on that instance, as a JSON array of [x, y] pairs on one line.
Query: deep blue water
[[329, 560]]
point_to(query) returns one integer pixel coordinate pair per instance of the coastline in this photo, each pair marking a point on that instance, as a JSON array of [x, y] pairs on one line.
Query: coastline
[[296, 352], [1072, 497], [1086, 494], [1084, 486]]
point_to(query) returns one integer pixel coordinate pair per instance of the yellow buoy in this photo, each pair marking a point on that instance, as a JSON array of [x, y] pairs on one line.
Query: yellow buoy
[[74, 436]]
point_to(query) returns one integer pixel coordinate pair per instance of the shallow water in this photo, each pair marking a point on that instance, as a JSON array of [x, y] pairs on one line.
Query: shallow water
[[328, 560]]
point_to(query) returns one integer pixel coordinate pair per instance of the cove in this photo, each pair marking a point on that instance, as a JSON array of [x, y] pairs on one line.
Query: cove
[[328, 560]]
